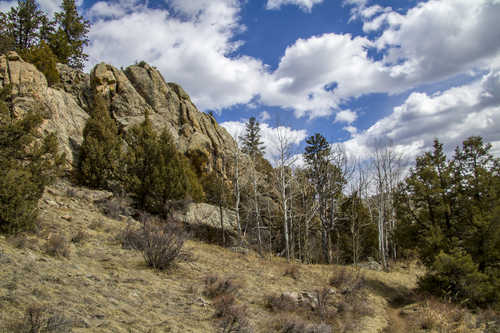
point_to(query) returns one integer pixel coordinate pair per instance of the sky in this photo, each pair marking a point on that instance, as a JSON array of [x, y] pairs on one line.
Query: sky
[[360, 72]]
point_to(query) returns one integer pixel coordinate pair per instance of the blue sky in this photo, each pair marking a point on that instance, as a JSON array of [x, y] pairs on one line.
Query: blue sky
[[357, 71]]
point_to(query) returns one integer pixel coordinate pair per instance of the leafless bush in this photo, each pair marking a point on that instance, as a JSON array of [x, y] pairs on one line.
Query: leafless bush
[[116, 206], [231, 316], [162, 244], [292, 271], [216, 286], [322, 300], [38, 319], [282, 303], [57, 246], [347, 280], [132, 238]]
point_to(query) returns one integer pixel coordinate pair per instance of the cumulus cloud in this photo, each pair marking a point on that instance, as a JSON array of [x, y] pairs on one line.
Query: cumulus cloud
[[195, 44], [305, 5], [450, 116], [194, 47], [270, 136], [346, 116]]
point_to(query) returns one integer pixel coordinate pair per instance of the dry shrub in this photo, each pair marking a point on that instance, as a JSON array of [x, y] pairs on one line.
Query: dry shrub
[[322, 299], [347, 279], [57, 246], [162, 244], [216, 286], [292, 324], [232, 317], [38, 319], [282, 303], [132, 238], [293, 272], [116, 206]]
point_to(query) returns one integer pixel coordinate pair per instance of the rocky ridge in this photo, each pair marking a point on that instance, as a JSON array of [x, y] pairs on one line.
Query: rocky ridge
[[130, 94]]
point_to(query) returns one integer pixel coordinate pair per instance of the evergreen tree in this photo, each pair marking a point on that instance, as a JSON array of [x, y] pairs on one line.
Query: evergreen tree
[[450, 208], [24, 23], [100, 153], [157, 174], [251, 140], [7, 42], [28, 163], [71, 36], [45, 61]]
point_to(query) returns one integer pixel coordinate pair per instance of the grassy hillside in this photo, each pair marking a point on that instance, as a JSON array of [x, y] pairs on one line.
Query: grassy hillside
[[75, 272]]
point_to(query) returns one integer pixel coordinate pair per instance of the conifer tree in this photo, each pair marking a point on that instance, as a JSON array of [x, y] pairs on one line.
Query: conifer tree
[[251, 141], [100, 153], [157, 174], [24, 23], [71, 36], [28, 163]]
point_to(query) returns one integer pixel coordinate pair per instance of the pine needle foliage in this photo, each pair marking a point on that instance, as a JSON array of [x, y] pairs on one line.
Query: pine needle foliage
[[101, 153], [156, 174], [449, 212]]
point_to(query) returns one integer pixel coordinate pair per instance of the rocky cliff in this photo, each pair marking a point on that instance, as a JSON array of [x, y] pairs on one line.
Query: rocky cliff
[[130, 93]]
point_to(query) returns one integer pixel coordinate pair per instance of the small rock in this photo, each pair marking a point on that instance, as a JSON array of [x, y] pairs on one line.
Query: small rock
[[67, 218]]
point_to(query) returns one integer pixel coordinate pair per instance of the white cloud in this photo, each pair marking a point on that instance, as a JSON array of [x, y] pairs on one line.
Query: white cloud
[[264, 115], [305, 5], [269, 135], [195, 43], [450, 116], [346, 116], [439, 38], [194, 48]]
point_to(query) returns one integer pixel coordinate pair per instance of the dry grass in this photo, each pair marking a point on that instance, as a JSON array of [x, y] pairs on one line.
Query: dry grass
[[103, 287]]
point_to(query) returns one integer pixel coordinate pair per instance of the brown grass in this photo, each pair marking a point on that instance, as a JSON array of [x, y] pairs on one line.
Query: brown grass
[[103, 287]]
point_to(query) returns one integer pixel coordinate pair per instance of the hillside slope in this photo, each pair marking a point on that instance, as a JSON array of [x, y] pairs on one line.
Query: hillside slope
[[101, 287]]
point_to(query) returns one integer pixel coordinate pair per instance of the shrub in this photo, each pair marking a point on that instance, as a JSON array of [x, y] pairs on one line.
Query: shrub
[[38, 319], [216, 286], [456, 277], [162, 244], [57, 246], [282, 303], [132, 238], [231, 316], [45, 61]]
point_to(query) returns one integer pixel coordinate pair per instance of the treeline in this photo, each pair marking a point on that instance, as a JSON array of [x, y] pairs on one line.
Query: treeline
[[446, 212], [43, 41]]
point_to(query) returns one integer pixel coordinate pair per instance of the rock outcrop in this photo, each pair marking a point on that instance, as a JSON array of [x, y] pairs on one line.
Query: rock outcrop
[[62, 112], [130, 93], [141, 88]]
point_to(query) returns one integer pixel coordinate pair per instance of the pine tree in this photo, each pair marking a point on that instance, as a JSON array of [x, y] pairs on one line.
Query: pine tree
[[71, 36], [451, 210], [157, 175], [100, 153], [28, 163], [251, 141], [24, 23]]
